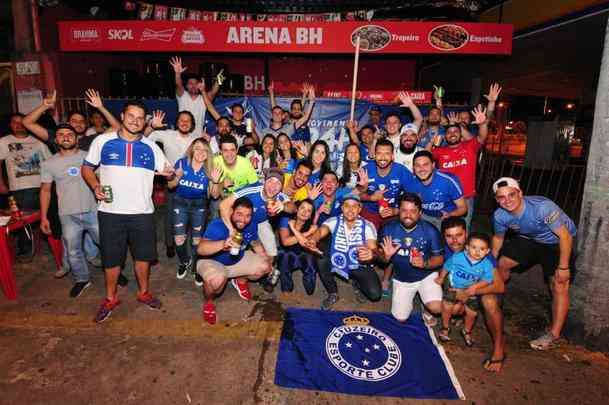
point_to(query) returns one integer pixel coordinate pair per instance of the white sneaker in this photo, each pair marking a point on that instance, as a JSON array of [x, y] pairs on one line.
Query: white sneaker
[[544, 342], [429, 319]]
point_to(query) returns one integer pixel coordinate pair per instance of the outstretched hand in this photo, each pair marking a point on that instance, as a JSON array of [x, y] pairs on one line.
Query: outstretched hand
[[50, 99], [493, 92], [176, 64], [479, 114]]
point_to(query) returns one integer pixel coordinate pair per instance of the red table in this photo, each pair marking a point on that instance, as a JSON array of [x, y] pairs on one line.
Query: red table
[[7, 276]]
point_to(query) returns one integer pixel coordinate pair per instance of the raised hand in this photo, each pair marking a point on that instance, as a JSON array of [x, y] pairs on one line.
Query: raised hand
[[405, 99], [301, 147], [201, 85], [50, 99], [453, 118], [93, 98], [176, 64], [311, 93], [167, 171], [479, 114], [315, 191], [305, 88], [493, 92], [362, 178], [216, 174], [180, 170], [389, 248], [220, 77], [271, 87], [158, 118]]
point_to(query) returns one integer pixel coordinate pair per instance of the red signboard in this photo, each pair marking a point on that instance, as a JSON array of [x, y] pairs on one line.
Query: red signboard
[[286, 37], [381, 96]]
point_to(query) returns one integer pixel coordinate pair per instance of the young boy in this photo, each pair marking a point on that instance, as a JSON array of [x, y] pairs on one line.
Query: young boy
[[468, 270]]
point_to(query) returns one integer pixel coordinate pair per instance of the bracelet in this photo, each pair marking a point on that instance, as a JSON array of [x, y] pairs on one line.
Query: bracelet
[[562, 268]]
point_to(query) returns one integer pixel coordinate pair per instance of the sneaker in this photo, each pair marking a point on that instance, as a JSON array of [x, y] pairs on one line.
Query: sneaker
[[182, 270], [243, 289], [105, 310], [61, 272], [95, 262], [429, 319], [122, 280], [544, 342], [79, 288], [359, 295], [171, 251], [198, 280], [148, 299], [386, 289], [330, 300], [209, 313]]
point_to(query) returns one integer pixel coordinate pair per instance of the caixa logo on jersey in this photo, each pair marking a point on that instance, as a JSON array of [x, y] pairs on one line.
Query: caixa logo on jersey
[[120, 34]]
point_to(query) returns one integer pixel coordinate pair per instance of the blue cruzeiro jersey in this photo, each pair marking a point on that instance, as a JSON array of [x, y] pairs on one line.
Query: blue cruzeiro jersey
[[424, 237], [440, 195], [193, 184], [398, 180], [448, 253], [463, 273], [336, 204], [254, 193], [217, 230], [540, 220]]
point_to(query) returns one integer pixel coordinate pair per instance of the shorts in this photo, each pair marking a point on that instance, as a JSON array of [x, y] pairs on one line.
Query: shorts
[[267, 238], [403, 295], [119, 231], [450, 296], [252, 266], [528, 253]]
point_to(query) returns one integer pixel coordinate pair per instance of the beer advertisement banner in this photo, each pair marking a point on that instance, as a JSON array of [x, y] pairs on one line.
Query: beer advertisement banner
[[376, 37]]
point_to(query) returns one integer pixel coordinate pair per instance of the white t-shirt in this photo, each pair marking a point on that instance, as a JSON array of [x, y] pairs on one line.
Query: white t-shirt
[[127, 167], [23, 157], [174, 143], [404, 159], [369, 230], [196, 107]]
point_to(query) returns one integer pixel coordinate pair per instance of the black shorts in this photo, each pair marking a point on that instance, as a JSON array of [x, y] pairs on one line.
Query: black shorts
[[118, 231], [528, 253], [450, 296]]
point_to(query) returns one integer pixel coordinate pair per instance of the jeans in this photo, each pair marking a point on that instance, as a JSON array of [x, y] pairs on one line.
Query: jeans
[[168, 220], [188, 213], [73, 227], [470, 212], [26, 199], [291, 259]]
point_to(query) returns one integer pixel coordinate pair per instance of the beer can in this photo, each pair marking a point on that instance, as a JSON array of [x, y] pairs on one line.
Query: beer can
[[249, 128], [108, 196]]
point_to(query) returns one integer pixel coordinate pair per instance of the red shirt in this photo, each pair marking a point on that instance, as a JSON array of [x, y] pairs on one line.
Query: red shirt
[[460, 161]]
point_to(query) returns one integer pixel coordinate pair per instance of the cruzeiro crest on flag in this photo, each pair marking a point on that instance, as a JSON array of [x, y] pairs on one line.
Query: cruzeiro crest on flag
[[361, 351]]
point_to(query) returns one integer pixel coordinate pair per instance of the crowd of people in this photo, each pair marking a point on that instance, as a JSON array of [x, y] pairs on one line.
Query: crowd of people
[[391, 213]]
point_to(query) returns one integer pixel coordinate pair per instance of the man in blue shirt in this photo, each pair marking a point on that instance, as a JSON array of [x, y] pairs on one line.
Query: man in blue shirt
[[328, 203], [441, 193], [414, 248], [542, 234], [224, 256]]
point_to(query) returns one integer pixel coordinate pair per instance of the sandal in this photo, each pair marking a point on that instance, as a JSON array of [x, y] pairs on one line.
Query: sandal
[[490, 361], [467, 337], [443, 335]]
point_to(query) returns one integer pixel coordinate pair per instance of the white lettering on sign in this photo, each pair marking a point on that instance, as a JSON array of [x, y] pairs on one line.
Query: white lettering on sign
[[309, 36], [405, 38], [85, 35], [486, 40], [254, 83], [28, 68], [120, 35], [273, 36]]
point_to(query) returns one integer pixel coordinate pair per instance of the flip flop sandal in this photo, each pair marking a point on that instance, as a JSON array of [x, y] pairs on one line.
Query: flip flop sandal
[[487, 362], [467, 338], [443, 335]]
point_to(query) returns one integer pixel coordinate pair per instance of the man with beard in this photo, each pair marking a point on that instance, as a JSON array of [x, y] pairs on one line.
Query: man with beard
[[297, 186], [76, 119], [127, 163], [441, 193], [375, 121], [189, 98], [296, 119], [433, 129], [414, 248], [236, 120], [237, 171], [408, 145], [364, 138], [76, 203], [225, 256], [175, 142], [460, 157], [393, 124], [327, 205]]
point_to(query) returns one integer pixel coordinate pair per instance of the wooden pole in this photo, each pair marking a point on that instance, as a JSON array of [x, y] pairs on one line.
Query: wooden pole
[[355, 69]]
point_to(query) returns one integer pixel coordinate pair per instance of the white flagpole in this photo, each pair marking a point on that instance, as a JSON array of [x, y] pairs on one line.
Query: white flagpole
[[355, 69]]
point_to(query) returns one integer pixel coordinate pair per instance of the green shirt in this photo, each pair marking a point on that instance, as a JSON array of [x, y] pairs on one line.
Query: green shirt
[[241, 174]]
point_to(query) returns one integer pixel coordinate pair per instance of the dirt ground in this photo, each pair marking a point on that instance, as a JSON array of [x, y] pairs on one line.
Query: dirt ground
[[52, 353]]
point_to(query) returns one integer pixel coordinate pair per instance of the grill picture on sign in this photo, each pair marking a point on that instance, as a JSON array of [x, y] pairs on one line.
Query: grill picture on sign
[[448, 37], [372, 37]]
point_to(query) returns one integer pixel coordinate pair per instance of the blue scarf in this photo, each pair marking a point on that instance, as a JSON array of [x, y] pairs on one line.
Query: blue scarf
[[343, 250]]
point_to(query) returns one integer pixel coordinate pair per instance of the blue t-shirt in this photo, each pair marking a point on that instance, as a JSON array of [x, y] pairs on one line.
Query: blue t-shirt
[[398, 180], [302, 134], [448, 253], [428, 137], [216, 230], [539, 221], [335, 210], [193, 185], [440, 195], [254, 193], [463, 273], [315, 177], [424, 237]]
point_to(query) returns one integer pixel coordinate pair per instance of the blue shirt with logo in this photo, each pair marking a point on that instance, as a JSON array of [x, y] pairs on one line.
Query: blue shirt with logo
[[463, 272], [302, 134], [428, 137], [193, 184], [336, 204], [217, 230], [448, 253], [398, 180], [424, 237], [439, 195], [254, 193], [540, 220]]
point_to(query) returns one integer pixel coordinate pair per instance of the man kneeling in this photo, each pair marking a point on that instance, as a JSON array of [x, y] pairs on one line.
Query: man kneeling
[[224, 255]]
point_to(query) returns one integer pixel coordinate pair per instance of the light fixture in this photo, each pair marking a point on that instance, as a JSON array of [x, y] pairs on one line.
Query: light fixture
[[549, 111], [501, 104], [570, 106]]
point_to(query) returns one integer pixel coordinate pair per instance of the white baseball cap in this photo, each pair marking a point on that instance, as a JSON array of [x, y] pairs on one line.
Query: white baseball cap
[[409, 127], [505, 182]]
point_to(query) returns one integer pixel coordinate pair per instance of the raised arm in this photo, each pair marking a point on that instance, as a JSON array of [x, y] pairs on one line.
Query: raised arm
[[208, 103], [492, 96], [30, 120], [178, 69], [480, 116], [95, 101], [308, 110], [215, 88], [414, 110], [271, 89], [352, 127]]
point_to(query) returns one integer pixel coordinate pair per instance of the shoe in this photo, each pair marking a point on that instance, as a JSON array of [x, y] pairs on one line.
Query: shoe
[[359, 295], [330, 300], [444, 335], [198, 280], [467, 337], [429, 319], [79, 288], [105, 310], [182, 271], [243, 289], [61, 272], [544, 342], [122, 280], [386, 289], [95, 262], [171, 251], [209, 313], [149, 300]]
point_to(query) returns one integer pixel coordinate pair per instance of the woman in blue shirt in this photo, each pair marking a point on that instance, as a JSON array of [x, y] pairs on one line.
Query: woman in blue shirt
[[193, 188], [287, 156]]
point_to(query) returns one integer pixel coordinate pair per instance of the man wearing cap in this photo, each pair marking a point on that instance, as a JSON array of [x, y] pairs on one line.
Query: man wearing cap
[[267, 200], [441, 193], [76, 203], [542, 234], [393, 124], [460, 157], [404, 154], [349, 253]]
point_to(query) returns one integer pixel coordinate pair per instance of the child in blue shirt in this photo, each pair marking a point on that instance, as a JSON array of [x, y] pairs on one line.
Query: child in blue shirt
[[468, 270]]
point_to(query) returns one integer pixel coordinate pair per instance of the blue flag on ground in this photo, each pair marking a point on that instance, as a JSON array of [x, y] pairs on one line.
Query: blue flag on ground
[[364, 354]]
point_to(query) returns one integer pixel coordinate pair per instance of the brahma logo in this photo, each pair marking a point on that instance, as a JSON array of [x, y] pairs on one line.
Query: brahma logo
[[120, 34], [85, 35], [162, 35], [192, 36]]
